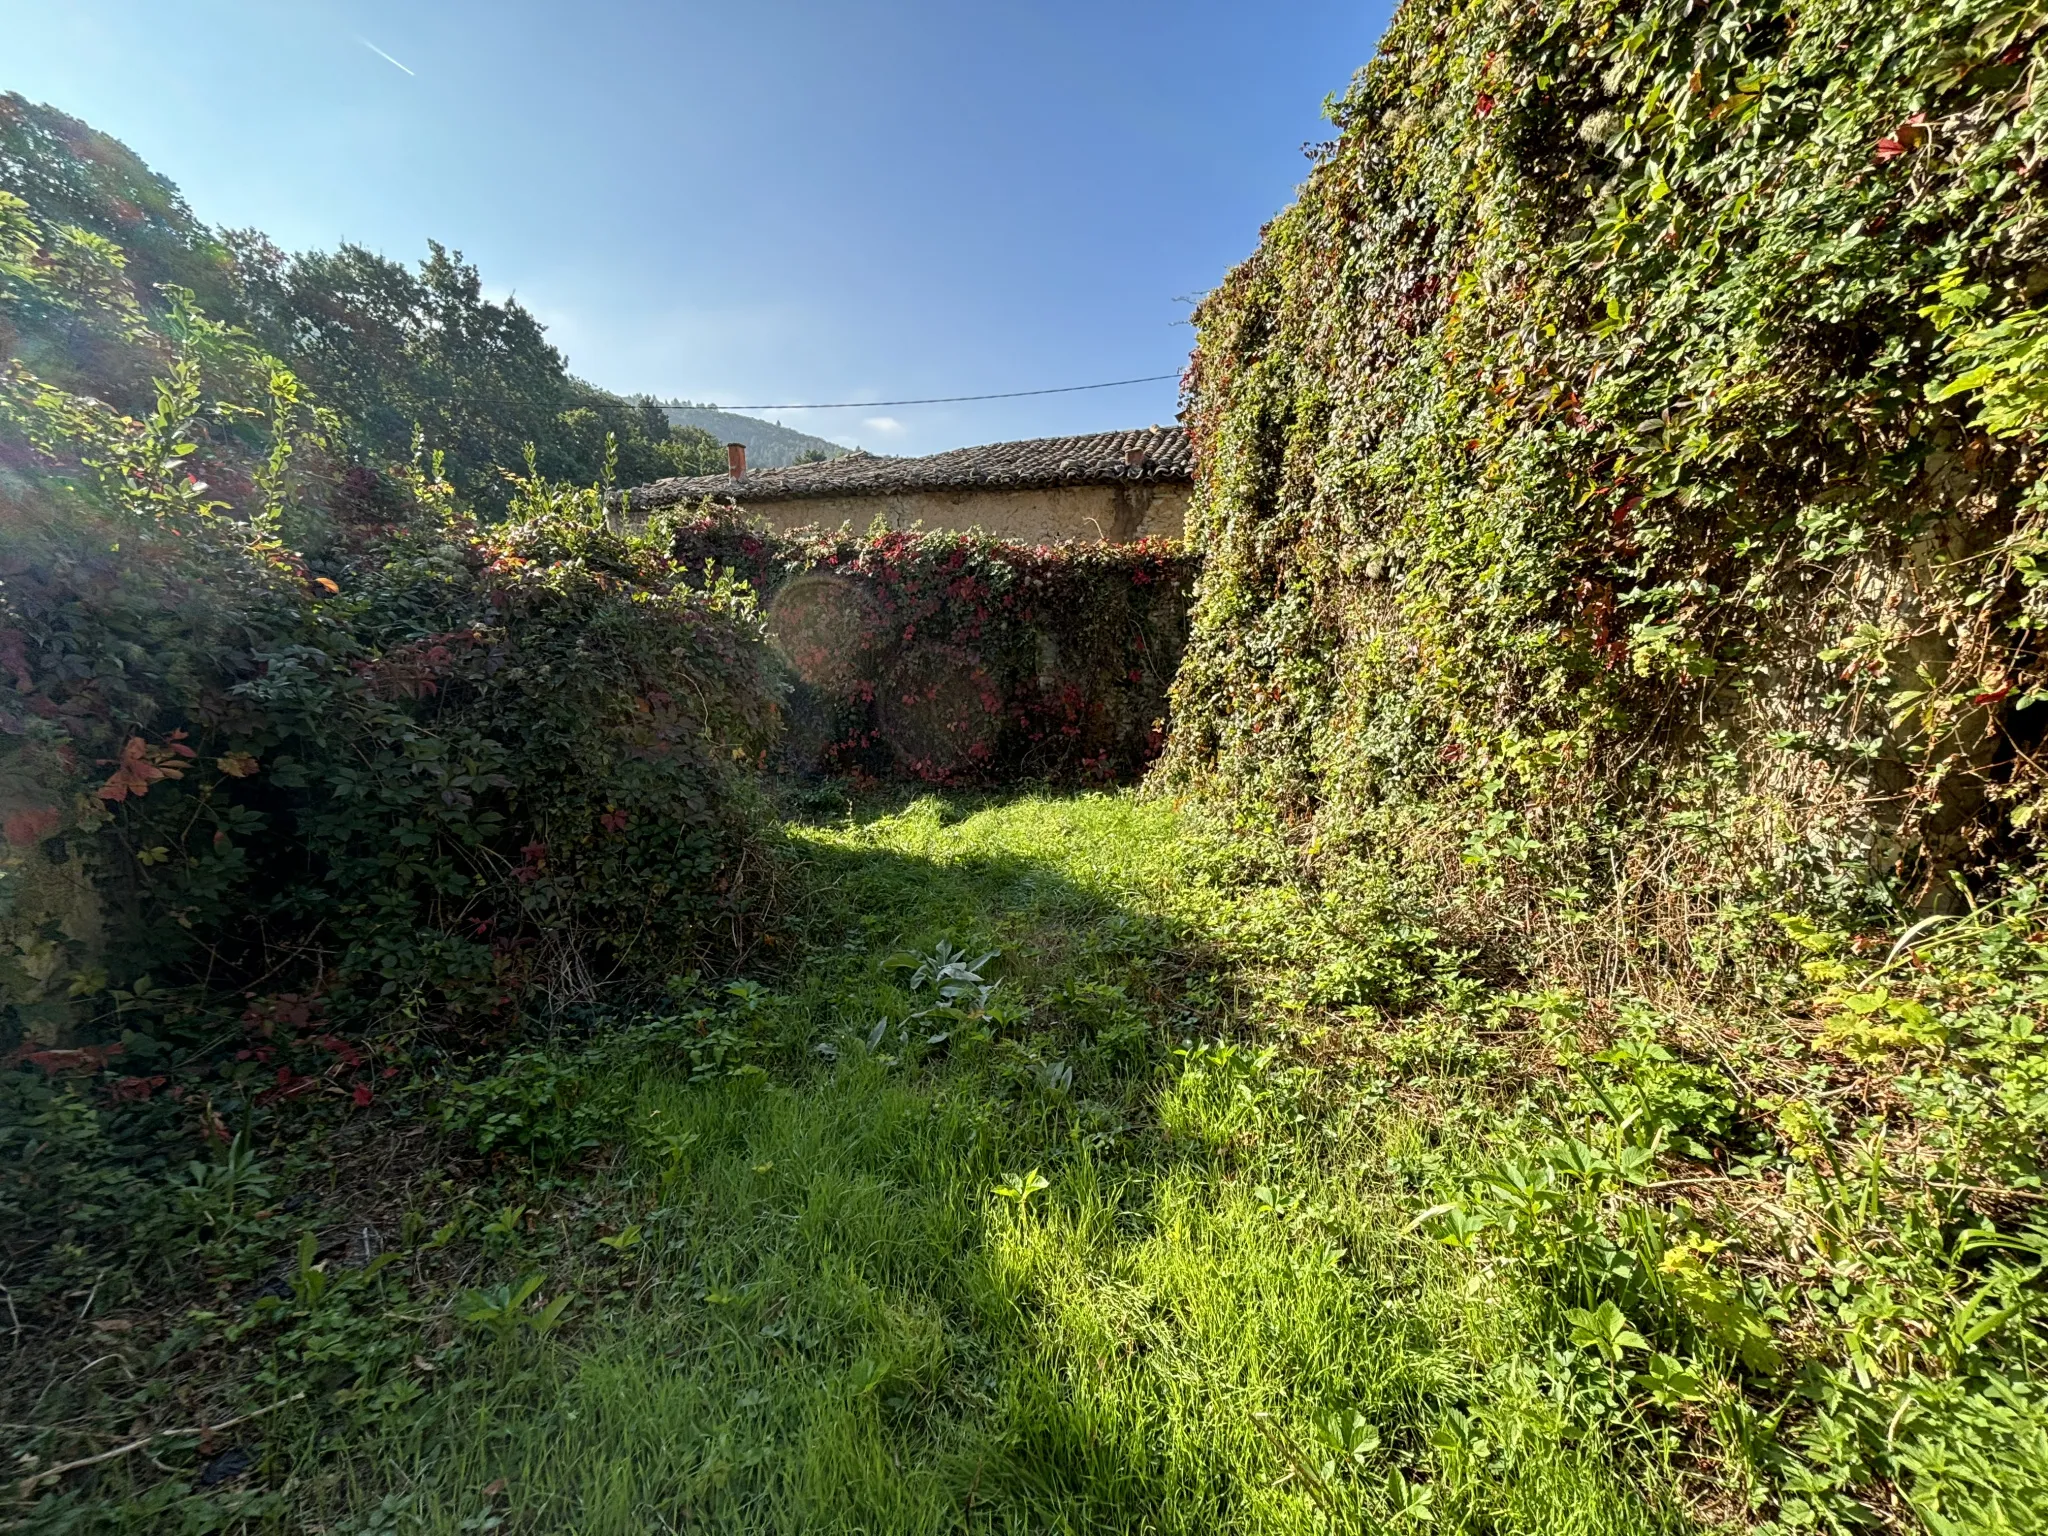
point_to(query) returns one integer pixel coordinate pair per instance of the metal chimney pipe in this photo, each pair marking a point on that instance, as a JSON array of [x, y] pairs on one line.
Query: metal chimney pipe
[[736, 460]]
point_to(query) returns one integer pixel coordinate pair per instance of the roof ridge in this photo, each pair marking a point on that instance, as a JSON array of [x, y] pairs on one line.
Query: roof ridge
[[1088, 458]]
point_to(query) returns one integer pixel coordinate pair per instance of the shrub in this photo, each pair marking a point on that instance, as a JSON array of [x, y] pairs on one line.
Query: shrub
[[300, 762], [958, 657], [267, 714]]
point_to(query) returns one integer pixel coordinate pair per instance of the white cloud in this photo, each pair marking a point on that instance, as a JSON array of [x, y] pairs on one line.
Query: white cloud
[[888, 424]]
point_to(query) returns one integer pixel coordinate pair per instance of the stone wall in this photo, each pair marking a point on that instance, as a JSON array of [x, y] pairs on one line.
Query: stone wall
[[1115, 513]]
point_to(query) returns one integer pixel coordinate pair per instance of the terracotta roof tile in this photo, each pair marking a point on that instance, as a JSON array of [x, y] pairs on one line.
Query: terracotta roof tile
[[1033, 464]]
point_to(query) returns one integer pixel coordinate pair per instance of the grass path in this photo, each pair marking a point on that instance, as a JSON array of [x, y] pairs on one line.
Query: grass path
[[830, 1294]]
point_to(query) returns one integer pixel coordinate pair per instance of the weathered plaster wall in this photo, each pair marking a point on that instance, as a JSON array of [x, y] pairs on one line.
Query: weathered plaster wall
[[1117, 513]]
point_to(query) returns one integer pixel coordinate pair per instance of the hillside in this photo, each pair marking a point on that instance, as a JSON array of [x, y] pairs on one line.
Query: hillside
[[769, 445], [388, 348]]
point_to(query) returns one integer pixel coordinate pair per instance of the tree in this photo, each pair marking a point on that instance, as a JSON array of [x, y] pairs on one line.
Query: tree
[[72, 174], [391, 348], [387, 347], [692, 451]]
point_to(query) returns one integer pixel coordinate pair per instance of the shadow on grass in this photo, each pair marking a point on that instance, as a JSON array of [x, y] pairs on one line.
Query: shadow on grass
[[1038, 1264], [1029, 1271]]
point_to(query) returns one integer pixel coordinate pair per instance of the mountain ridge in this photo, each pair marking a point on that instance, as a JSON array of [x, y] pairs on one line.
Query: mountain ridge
[[770, 445]]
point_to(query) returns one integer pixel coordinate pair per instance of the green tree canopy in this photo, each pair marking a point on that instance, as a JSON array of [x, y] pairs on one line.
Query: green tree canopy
[[386, 346], [393, 347]]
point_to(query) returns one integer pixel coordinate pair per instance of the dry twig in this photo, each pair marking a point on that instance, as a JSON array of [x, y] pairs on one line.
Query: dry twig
[[28, 1484]]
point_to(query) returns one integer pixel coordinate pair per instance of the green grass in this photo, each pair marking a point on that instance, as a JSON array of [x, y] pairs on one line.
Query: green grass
[[1213, 1318], [1211, 1203]]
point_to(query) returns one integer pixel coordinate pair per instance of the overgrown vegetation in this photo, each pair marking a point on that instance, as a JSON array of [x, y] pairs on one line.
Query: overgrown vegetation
[[1570, 1059], [958, 657], [1621, 520], [344, 826], [1075, 1176], [303, 769]]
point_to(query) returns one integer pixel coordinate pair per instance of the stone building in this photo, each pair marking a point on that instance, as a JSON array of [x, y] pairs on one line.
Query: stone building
[[1115, 486]]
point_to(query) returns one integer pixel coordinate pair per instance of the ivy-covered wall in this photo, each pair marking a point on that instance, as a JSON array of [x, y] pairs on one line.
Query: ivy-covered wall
[[1620, 503], [961, 657], [1620, 463]]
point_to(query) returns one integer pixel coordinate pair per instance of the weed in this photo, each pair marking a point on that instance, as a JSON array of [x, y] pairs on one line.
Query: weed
[[1021, 1187], [502, 1310]]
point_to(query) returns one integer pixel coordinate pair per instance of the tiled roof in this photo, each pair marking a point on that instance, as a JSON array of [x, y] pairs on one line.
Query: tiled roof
[[1036, 463]]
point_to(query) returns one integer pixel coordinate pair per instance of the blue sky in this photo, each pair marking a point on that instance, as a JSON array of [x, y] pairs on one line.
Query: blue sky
[[781, 200]]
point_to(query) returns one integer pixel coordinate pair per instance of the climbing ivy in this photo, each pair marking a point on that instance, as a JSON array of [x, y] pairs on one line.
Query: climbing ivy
[[960, 657], [1621, 507], [1637, 407]]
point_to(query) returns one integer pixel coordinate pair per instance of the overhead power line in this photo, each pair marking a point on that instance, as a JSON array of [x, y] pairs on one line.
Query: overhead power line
[[868, 405]]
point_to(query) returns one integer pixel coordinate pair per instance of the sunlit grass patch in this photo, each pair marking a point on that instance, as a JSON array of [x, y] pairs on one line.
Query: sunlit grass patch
[[1015, 1204], [1016, 1280]]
